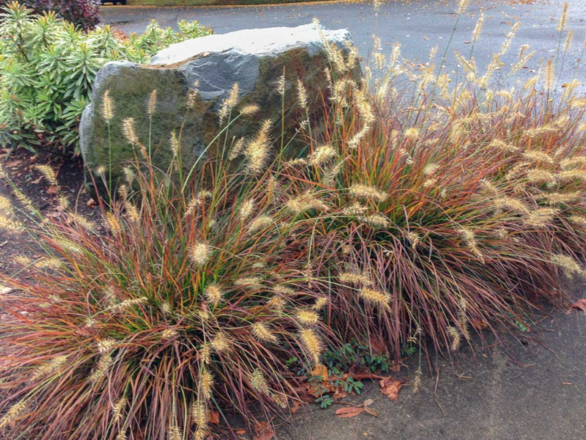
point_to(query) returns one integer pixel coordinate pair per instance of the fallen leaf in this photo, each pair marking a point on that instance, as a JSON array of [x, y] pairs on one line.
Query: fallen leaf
[[214, 417], [349, 412], [371, 411], [391, 387], [580, 304], [37, 181], [263, 431], [368, 402], [53, 190], [320, 370]]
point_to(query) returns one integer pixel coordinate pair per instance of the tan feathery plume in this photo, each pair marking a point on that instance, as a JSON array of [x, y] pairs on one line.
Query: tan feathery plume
[[234, 94], [101, 368], [54, 366], [470, 239], [246, 209], [541, 217], [322, 155], [549, 75], [113, 224], [48, 173], [563, 19], [257, 150], [221, 343], [193, 95], [129, 131], [213, 294], [107, 108], [259, 382], [568, 264], [263, 333], [307, 317], [355, 279], [152, 103], [312, 343], [578, 220], [82, 221], [175, 146], [206, 384], [129, 303], [367, 192], [252, 282], [259, 223], [320, 303], [572, 175], [538, 156], [511, 204], [249, 110], [236, 149], [305, 202], [301, 95], [118, 409], [456, 338], [376, 297], [13, 413], [200, 253], [414, 238], [478, 27]]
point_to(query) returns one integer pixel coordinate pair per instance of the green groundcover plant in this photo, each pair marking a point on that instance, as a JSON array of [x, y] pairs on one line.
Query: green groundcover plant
[[424, 211], [47, 68]]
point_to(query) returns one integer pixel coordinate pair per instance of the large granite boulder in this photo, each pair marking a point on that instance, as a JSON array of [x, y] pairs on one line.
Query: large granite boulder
[[255, 59]]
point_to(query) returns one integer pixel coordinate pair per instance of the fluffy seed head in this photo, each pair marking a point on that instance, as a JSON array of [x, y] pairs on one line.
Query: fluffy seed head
[[263, 333], [199, 253], [129, 131], [321, 155], [307, 317], [107, 108], [246, 209], [48, 173], [312, 343], [367, 192], [213, 294], [259, 382], [221, 343], [376, 297], [152, 103]]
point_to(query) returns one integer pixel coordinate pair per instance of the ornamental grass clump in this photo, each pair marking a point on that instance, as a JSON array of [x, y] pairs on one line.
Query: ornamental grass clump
[[182, 307], [442, 208]]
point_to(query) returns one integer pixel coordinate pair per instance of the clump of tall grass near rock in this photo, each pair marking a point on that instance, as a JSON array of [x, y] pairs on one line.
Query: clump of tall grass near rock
[[185, 303], [443, 209]]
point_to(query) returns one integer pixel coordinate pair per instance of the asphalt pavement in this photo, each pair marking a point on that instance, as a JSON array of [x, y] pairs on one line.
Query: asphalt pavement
[[419, 25]]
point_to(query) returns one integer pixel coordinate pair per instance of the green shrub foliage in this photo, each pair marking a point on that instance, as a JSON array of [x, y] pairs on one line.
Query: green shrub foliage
[[47, 68]]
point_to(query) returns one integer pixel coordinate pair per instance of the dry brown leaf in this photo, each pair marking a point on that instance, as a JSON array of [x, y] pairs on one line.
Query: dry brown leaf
[[349, 411], [391, 387], [320, 370], [214, 417], [580, 304], [263, 431]]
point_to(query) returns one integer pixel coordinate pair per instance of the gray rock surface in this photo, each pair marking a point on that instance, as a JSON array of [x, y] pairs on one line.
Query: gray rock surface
[[254, 59]]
